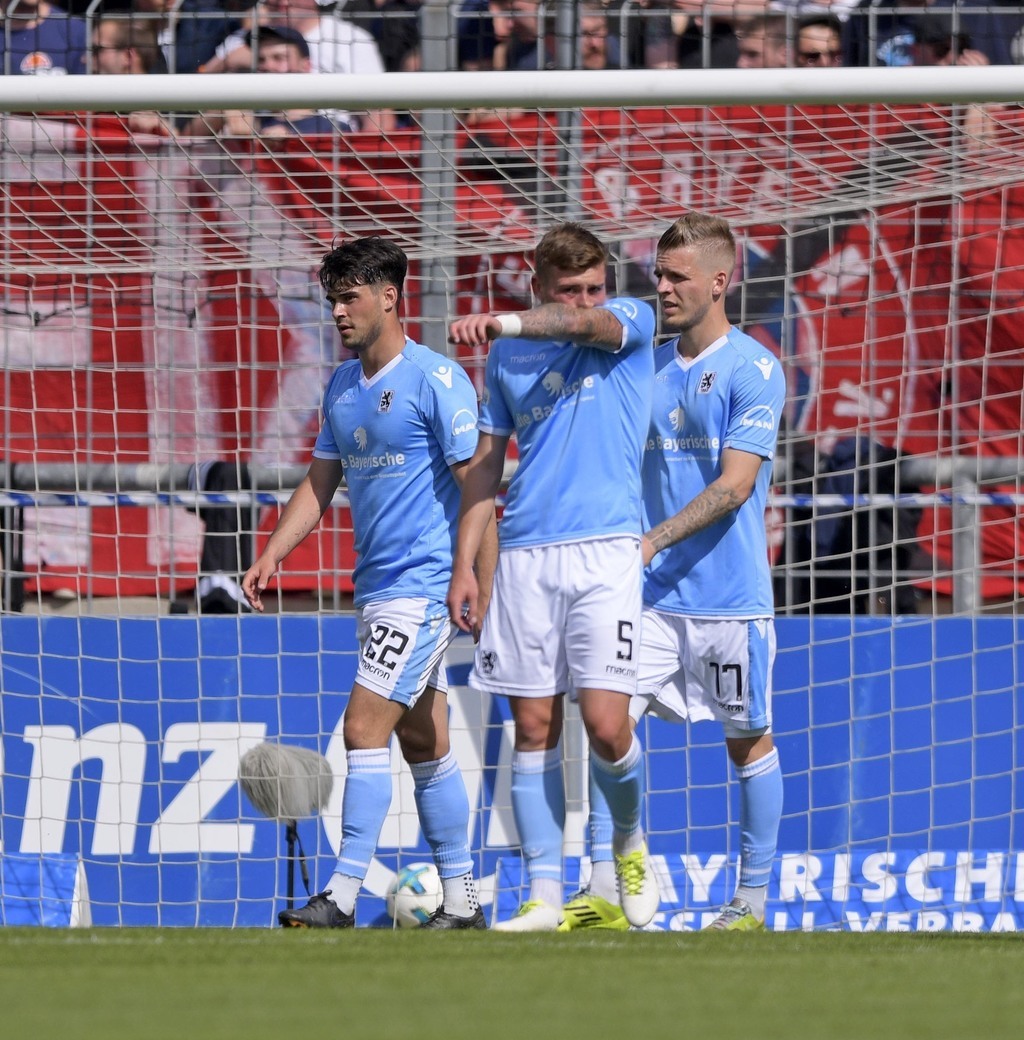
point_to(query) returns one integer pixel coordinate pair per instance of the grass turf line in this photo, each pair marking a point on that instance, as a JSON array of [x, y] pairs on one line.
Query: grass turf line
[[189, 984]]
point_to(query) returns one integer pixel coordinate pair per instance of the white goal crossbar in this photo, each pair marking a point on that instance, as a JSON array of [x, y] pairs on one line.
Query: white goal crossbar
[[555, 89]]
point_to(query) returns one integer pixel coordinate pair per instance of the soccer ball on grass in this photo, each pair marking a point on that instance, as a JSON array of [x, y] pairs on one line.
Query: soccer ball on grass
[[414, 895]]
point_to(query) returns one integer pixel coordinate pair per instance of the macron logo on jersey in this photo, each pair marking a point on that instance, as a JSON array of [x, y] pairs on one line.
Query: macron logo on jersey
[[765, 366], [444, 375]]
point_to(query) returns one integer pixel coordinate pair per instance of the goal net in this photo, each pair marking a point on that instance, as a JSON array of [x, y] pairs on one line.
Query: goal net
[[165, 345]]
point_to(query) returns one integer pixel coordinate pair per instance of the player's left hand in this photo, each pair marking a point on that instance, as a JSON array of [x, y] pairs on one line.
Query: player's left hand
[[647, 549]]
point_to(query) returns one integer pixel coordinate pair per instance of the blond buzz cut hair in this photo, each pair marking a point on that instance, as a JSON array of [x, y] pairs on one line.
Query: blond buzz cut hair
[[710, 236]]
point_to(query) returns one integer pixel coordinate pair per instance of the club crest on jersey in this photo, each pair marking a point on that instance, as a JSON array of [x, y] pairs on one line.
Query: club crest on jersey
[[707, 381], [488, 661], [360, 438], [386, 400]]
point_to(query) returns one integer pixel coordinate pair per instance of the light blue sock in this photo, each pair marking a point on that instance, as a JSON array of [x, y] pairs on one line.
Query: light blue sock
[[538, 805], [622, 784], [364, 807], [444, 814], [599, 825], [760, 814]]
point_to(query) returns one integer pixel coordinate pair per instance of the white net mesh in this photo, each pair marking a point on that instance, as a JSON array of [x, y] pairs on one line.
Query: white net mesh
[[161, 313]]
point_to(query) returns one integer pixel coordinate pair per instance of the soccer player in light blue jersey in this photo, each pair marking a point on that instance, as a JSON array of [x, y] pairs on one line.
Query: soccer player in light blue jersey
[[572, 379], [400, 424], [708, 640]]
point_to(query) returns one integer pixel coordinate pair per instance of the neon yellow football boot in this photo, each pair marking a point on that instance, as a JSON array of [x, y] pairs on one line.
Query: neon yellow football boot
[[585, 910]]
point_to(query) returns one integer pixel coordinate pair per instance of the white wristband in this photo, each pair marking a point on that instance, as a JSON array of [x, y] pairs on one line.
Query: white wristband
[[511, 324]]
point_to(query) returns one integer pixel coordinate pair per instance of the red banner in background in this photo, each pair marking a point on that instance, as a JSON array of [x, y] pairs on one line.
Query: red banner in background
[[166, 336]]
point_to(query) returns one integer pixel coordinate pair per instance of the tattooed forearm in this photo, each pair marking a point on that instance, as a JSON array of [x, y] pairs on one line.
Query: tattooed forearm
[[711, 505], [593, 326]]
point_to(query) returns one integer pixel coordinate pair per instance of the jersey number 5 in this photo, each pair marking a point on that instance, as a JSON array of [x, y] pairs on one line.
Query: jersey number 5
[[625, 653]]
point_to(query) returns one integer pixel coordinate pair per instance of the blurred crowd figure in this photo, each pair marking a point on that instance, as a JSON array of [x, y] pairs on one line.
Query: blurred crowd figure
[[367, 36], [819, 41], [39, 39]]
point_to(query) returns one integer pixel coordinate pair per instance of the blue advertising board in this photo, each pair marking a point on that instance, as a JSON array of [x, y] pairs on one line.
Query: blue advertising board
[[900, 742]]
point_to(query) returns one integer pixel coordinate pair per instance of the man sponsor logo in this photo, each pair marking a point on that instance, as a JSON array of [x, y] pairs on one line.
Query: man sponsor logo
[[760, 416], [626, 307], [463, 421]]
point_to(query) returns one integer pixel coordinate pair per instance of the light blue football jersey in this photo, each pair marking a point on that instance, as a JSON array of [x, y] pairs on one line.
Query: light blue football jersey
[[396, 436], [580, 415], [731, 396]]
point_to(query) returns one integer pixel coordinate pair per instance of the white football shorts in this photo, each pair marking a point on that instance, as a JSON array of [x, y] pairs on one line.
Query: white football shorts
[[699, 669], [562, 616], [401, 647]]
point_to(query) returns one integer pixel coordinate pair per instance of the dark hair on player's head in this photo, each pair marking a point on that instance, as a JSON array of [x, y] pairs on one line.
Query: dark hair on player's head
[[364, 261], [569, 247]]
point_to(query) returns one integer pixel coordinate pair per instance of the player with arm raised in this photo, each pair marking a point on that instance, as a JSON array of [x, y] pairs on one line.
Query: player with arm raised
[[708, 641], [400, 422], [572, 379]]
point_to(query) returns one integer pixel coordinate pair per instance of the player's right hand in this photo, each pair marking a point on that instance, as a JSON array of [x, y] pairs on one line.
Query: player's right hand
[[475, 330], [463, 598], [256, 579]]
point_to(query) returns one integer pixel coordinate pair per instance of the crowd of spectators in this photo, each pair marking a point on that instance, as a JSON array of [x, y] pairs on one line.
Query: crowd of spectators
[[41, 38]]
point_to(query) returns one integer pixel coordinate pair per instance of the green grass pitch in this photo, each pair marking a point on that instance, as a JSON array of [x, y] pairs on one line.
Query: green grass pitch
[[184, 984]]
